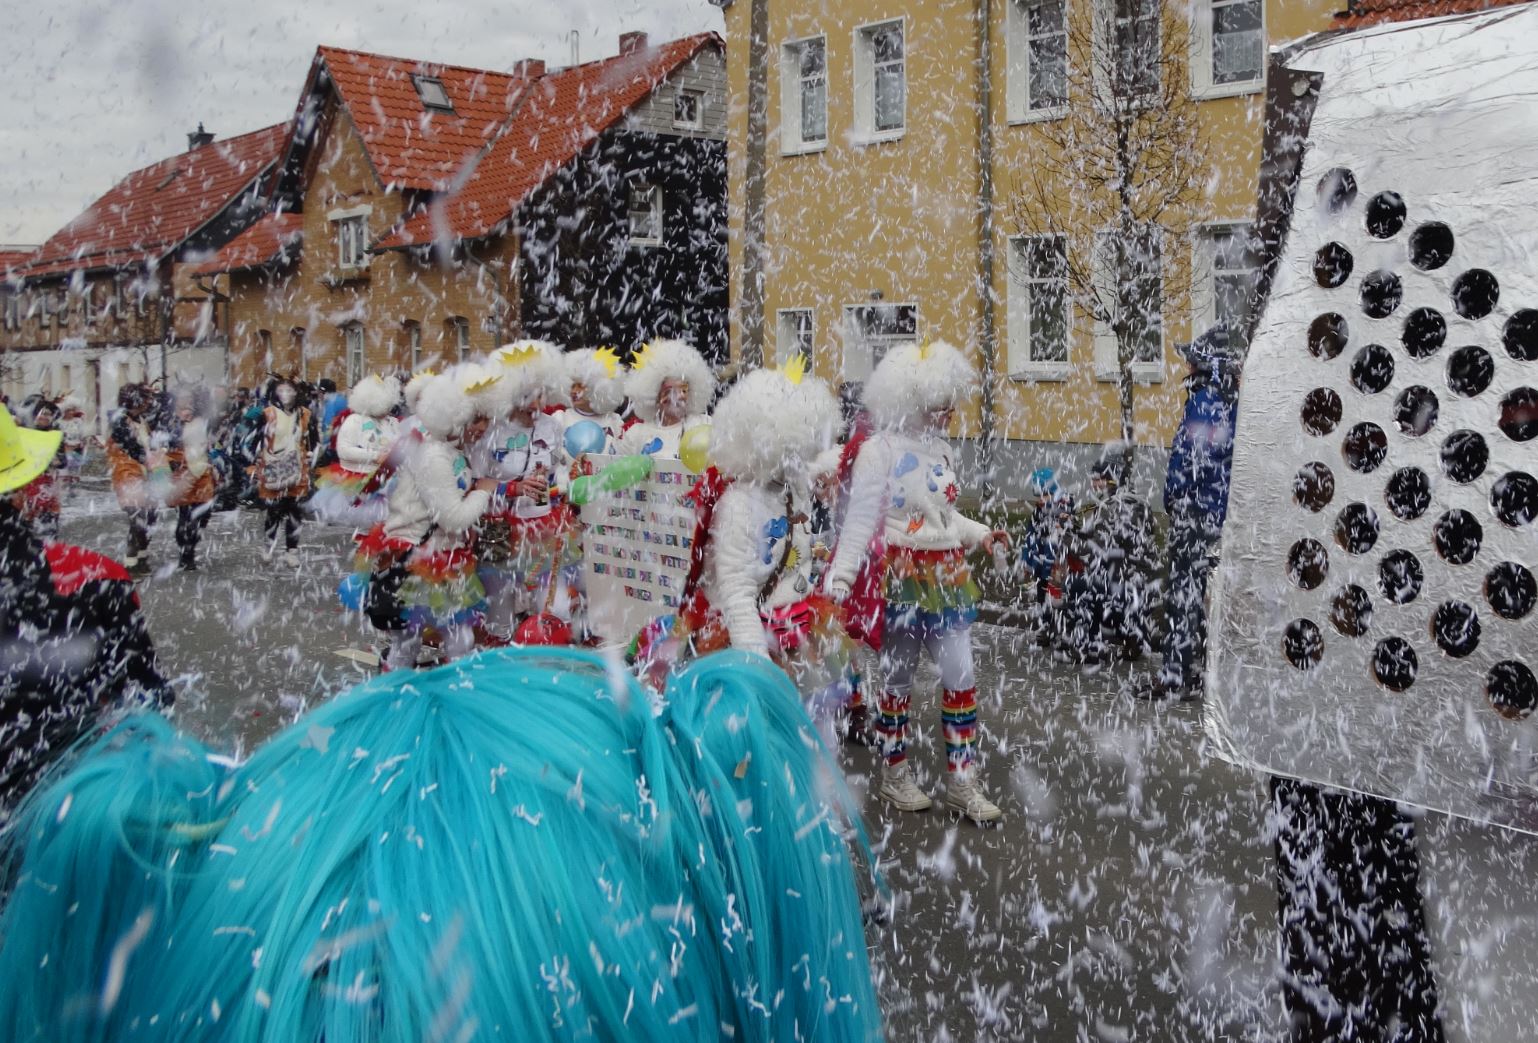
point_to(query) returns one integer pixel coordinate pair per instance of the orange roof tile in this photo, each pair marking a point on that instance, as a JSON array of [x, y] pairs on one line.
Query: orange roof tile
[[409, 144], [560, 115], [272, 239], [1361, 13], [10, 259], [154, 210]]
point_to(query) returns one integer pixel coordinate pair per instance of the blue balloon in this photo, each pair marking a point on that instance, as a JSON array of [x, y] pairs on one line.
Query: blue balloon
[[585, 436], [351, 590]]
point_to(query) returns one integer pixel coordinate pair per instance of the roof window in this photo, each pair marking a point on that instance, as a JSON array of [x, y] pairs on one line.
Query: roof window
[[432, 93]]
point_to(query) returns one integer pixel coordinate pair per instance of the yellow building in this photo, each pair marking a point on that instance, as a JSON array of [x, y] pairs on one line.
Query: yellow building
[[876, 200]]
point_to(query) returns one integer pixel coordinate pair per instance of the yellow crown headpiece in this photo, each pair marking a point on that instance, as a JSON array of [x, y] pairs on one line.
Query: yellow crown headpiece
[[609, 358], [924, 350], [482, 383], [518, 354], [794, 368], [638, 358]]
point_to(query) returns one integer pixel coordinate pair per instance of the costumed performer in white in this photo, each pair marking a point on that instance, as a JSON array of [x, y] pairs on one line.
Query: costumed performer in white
[[902, 520], [595, 389], [362, 443], [528, 540], [670, 387], [422, 556], [765, 436]]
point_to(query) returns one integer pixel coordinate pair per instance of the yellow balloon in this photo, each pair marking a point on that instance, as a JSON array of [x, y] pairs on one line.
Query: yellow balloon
[[694, 449]]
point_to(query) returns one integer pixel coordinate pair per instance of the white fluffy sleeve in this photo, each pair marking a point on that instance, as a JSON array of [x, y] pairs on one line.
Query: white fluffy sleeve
[[970, 532], [453, 511], [740, 572], [866, 510]]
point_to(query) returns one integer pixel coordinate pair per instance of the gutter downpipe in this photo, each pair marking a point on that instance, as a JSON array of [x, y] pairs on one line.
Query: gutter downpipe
[[753, 217], [987, 325]]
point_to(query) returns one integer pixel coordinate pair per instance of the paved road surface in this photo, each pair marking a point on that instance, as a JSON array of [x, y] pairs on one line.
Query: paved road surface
[[1126, 896]]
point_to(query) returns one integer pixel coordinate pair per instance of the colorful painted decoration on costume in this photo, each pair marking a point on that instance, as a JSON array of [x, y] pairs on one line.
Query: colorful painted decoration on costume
[[694, 449], [653, 447], [774, 531], [907, 462], [585, 436], [351, 590]]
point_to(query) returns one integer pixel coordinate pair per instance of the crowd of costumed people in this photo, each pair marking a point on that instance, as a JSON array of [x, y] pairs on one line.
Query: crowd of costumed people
[[437, 855]]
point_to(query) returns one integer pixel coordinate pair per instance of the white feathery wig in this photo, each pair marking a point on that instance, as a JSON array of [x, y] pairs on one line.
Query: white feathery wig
[[663, 360], [914, 379], [443, 406], [773, 424], [531, 370], [601, 371], [414, 388], [374, 396]]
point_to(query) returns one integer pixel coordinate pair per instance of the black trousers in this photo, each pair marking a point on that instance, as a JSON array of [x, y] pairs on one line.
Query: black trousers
[[1356, 957], [191, 519], [140, 521], [283, 512]]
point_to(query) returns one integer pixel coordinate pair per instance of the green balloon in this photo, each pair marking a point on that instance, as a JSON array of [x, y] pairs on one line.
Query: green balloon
[[621, 474]]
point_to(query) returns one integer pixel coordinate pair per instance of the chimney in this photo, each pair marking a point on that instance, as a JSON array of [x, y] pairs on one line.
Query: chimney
[[529, 68], [630, 43], [198, 138]]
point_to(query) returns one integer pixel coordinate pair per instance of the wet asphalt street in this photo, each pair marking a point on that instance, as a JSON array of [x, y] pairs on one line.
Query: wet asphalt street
[[1125, 896]]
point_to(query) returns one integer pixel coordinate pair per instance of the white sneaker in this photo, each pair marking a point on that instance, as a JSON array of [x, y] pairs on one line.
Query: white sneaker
[[899, 790], [291, 559], [964, 795]]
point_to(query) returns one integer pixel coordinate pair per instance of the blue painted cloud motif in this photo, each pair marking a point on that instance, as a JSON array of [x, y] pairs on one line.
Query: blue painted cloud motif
[[774, 531], [907, 462], [652, 447]]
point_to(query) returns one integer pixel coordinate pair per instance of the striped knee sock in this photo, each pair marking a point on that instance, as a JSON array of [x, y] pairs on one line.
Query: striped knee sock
[[958, 721], [892, 725]]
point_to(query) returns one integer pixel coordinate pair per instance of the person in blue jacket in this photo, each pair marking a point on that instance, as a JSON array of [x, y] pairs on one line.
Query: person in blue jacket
[[1196, 497]]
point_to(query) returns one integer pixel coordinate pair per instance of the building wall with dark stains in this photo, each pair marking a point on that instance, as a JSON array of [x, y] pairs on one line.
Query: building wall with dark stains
[[586, 281]]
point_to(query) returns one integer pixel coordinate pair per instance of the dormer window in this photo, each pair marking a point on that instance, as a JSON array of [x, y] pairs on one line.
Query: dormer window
[[433, 94]]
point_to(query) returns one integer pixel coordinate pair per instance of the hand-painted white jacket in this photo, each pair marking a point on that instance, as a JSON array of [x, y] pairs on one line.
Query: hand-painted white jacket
[[904, 483], [657, 440], [433, 485], [566, 418], [509, 451], [750, 535], [362, 441]]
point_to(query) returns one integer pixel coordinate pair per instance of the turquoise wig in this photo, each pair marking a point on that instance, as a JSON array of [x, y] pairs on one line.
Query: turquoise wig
[[519, 845], [95, 861]]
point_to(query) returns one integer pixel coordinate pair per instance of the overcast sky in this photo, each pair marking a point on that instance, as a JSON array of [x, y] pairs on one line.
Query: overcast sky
[[97, 89]]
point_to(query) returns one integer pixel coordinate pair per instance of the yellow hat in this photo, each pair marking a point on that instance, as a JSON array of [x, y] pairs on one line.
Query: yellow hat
[[24, 453]]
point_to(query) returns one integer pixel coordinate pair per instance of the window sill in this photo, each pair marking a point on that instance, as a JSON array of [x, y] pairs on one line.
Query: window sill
[[696, 127], [645, 244], [1038, 116], [339, 276], [810, 149], [1142, 373], [1228, 90], [1043, 372], [880, 137]]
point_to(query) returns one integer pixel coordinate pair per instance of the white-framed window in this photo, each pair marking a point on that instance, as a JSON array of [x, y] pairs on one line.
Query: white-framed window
[[433, 94], [1130, 29], [1229, 41], [352, 337], [881, 80], [299, 348], [1140, 278], [143, 290], [459, 329], [1036, 34], [41, 305], [688, 109], [645, 210], [351, 240], [793, 335], [113, 306], [414, 345], [1225, 273], [1038, 308], [61, 305], [264, 348], [88, 310], [871, 330], [13, 310], [804, 95]]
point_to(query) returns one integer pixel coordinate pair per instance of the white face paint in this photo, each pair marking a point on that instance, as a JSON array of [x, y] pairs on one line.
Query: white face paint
[[286, 396]]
